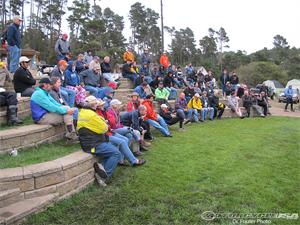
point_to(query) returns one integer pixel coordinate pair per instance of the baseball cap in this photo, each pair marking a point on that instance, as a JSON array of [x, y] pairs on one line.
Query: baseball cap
[[17, 18], [45, 80], [115, 102], [62, 63], [134, 94], [163, 106], [24, 59]]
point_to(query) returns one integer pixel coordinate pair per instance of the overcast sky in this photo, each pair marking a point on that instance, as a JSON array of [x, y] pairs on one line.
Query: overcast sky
[[250, 24]]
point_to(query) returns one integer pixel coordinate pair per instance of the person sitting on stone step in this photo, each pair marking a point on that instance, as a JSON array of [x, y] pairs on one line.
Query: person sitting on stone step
[[162, 94], [23, 79], [233, 104], [60, 72], [170, 117], [57, 96], [91, 79], [114, 118], [250, 101], [9, 99], [120, 141], [134, 102], [153, 119], [206, 108], [92, 130], [214, 102], [45, 110], [143, 90]]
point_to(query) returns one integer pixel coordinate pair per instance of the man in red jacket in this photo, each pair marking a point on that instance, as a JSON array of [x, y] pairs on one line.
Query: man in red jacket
[[153, 118]]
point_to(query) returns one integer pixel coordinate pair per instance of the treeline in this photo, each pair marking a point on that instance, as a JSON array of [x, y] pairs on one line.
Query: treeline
[[101, 30]]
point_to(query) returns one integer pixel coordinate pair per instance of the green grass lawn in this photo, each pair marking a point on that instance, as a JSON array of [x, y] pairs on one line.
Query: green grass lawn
[[228, 166], [42, 153]]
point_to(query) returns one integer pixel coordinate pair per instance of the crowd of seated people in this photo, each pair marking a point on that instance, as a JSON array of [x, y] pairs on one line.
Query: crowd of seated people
[[76, 96]]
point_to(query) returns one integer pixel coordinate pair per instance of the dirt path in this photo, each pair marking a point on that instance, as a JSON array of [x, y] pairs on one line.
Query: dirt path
[[277, 109]]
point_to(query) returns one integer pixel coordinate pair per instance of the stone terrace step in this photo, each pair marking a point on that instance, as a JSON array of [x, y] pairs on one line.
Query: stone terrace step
[[29, 135], [126, 84], [34, 184], [10, 196], [23, 110], [14, 213]]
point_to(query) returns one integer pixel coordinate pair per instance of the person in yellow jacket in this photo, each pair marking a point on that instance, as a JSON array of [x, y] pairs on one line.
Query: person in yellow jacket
[[195, 103], [128, 55], [92, 130]]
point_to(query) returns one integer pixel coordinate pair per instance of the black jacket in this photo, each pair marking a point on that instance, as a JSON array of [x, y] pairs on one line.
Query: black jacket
[[132, 119], [234, 79], [189, 92], [213, 101], [23, 79], [89, 139], [105, 67], [168, 81]]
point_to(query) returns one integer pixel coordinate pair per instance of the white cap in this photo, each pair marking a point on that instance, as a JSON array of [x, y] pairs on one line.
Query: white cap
[[115, 102], [24, 59], [197, 95], [163, 106]]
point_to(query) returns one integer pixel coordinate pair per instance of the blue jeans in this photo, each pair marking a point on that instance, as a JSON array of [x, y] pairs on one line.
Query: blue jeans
[[191, 114], [111, 156], [68, 95], [122, 143], [75, 114], [160, 124], [108, 76], [14, 56], [223, 89], [173, 93], [205, 111], [129, 133], [148, 79], [98, 92]]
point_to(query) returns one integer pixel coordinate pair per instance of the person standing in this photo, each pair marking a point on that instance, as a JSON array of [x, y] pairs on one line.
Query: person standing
[[224, 78], [23, 79], [62, 47], [288, 92], [14, 43]]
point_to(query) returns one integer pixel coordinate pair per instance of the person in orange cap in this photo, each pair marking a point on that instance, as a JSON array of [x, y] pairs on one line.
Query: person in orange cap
[[62, 47]]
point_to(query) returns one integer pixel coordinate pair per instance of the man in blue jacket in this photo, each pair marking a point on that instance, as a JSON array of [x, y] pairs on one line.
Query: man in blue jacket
[[288, 92], [14, 43], [45, 110]]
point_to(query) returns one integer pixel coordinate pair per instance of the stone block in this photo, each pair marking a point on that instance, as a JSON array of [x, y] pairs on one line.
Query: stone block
[[23, 185], [11, 174], [40, 192], [50, 179], [78, 169], [41, 169]]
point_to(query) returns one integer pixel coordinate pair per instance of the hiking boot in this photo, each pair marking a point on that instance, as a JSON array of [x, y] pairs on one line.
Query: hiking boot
[[12, 118], [138, 153], [100, 181], [143, 148], [145, 143], [99, 169]]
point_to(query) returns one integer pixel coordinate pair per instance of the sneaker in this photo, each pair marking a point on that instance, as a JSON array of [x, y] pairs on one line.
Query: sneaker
[[286, 110], [181, 129], [139, 163], [293, 110], [99, 169], [100, 181], [262, 115], [186, 121]]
